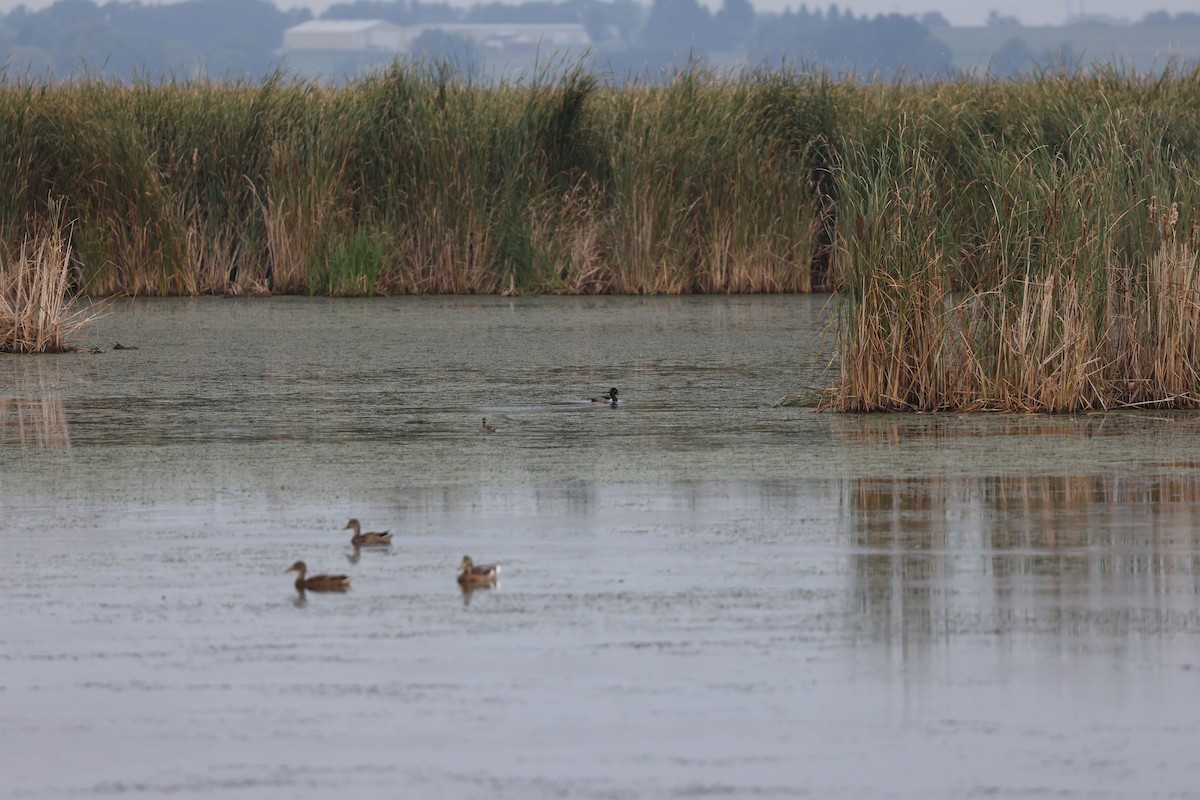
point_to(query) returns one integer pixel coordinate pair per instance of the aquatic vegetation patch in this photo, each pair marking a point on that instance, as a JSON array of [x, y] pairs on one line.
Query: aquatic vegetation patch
[[350, 269], [37, 313], [1045, 282]]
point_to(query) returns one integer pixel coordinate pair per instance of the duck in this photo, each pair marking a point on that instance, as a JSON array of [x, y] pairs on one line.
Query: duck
[[609, 397], [473, 574], [485, 428], [318, 583], [369, 539]]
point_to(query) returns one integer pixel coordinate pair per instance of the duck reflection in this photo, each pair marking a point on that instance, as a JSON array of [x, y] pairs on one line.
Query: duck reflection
[[467, 590], [355, 556]]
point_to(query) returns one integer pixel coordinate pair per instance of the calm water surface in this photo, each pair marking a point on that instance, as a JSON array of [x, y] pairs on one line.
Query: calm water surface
[[703, 594]]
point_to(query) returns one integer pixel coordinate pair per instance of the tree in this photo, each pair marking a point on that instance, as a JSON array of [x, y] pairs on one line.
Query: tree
[[682, 24], [533, 11], [882, 47], [733, 24], [618, 19], [128, 39], [640, 63], [1063, 60], [396, 11], [205, 24], [1013, 58], [437, 46]]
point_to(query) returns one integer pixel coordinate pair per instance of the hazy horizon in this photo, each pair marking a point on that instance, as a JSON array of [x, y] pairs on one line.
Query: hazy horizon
[[963, 13]]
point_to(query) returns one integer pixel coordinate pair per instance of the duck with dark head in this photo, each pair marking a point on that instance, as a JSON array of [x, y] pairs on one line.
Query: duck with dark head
[[609, 397]]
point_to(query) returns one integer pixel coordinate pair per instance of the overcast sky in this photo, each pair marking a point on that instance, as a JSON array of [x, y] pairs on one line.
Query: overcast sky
[[959, 12]]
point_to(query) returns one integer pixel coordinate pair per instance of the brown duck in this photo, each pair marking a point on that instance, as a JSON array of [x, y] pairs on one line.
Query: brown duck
[[473, 574], [369, 539], [318, 583]]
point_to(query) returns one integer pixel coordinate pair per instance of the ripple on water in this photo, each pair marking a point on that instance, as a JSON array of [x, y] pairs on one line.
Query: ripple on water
[[703, 595]]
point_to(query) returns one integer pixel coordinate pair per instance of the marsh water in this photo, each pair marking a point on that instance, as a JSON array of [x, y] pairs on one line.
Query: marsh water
[[703, 593]]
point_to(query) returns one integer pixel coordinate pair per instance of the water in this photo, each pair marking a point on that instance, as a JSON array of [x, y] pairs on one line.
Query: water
[[702, 594]]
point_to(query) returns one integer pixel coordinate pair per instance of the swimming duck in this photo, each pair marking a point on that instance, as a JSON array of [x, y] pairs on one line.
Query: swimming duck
[[477, 574], [485, 428], [318, 583], [369, 539], [609, 397]]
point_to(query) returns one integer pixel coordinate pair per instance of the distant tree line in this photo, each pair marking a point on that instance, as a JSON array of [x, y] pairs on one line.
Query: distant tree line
[[128, 40], [242, 38]]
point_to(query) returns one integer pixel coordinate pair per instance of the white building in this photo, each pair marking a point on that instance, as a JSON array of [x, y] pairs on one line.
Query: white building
[[515, 36], [345, 34], [380, 35]]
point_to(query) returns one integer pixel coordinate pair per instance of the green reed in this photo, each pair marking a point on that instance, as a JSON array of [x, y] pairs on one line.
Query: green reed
[[555, 184], [1011, 245]]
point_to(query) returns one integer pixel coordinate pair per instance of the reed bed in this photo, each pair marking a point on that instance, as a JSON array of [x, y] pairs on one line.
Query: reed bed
[[1020, 247], [416, 180], [1024, 245]]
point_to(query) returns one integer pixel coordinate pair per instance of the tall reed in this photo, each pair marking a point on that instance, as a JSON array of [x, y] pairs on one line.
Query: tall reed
[[1011, 245], [1005, 250], [709, 183]]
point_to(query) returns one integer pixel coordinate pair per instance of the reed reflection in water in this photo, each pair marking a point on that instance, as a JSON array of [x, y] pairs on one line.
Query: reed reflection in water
[[35, 418], [38, 422], [1025, 555]]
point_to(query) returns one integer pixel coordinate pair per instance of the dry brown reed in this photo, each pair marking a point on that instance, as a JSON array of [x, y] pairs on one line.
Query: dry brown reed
[[36, 312], [1051, 348], [1000, 247]]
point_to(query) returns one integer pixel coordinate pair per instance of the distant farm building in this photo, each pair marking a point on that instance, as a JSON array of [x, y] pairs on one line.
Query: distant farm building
[[375, 35], [346, 34]]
